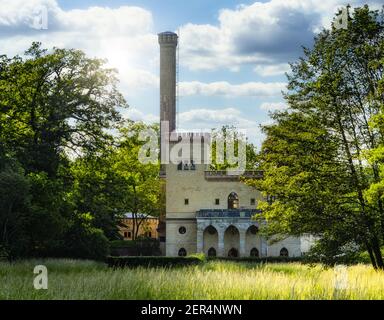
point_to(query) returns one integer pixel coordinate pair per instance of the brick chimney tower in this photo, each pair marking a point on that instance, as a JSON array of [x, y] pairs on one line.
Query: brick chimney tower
[[168, 44]]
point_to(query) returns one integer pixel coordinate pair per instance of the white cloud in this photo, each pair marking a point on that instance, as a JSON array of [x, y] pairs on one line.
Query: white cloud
[[272, 70], [217, 117], [224, 88], [263, 34], [137, 115], [122, 35], [104, 21], [272, 106], [206, 47], [19, 13], [206, 119]]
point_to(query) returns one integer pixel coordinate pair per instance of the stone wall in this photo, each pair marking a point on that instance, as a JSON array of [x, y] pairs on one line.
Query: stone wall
[[175, 240], [292, 244]]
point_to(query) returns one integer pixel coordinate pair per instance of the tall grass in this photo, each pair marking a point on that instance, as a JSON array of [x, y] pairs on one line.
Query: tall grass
[[71, 279]]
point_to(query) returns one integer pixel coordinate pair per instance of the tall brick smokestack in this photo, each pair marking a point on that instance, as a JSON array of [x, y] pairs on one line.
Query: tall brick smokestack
[[168, 44]]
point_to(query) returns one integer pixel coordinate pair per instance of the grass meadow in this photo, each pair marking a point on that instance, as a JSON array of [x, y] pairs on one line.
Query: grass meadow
[[73, 279]]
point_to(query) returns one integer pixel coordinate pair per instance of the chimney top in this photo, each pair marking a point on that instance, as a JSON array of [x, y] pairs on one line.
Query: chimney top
[[168, 37], [167, 33]]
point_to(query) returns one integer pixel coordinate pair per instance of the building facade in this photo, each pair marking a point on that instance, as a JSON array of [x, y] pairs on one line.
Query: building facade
[[211, 212], [148, 226], [207, 211]]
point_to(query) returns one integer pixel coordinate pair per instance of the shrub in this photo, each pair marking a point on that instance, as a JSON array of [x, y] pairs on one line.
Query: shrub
[[151, 261], [139, 247], [91, 244], [143, 261], [331, 252], [82, 241], [201, 256], [259, 259], [121, 244]]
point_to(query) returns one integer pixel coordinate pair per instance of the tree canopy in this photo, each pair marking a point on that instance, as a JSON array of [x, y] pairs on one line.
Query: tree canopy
[[322, 156], [65, 179]]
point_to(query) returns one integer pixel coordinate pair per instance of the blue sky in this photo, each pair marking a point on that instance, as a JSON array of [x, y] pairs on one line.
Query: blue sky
[[168, 14], [233, 54]]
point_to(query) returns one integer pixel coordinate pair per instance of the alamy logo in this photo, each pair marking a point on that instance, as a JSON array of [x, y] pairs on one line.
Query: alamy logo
[[341, 277], [341, 19], [194, 147], [40, 18], [41, 280]]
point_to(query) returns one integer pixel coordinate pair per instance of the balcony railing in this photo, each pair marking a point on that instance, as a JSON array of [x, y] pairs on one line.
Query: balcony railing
[[224, 174], [226, 213]]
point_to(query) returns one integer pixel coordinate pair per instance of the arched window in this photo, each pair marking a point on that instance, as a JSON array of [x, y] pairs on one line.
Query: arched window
[[182, 252], [284, 252], [233, 201], [253, 229], [211, 230], [232, 230], [212, 252], [254, 252], [233, 253]]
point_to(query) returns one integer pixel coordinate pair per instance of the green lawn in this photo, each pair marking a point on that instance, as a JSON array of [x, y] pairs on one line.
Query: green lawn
[[70, 279]]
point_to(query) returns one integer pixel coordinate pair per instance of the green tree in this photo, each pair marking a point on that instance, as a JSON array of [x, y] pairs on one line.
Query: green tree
[[98, 189], [229, 134], [83, 240], [143, 184], [54, 106], [14, 201], [52, 102], [33, 214], [116, 182], [333, 94]]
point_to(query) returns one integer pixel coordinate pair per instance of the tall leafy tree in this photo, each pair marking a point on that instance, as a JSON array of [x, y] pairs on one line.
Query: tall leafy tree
[[230, 134], [14, 201], [116, 182], [144, 186], [53, 105], [333, 95], [55, 101]]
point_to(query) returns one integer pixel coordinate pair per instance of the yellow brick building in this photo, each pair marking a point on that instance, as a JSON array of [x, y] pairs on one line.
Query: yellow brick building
[[148, 226]]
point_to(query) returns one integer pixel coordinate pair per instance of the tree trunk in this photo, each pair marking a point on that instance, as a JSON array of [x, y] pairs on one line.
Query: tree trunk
[[377, 252], [134, 233], [369, 224], [371, 256]]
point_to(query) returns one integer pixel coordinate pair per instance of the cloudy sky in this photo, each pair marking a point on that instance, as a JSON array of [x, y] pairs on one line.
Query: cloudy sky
[[233, 54]]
